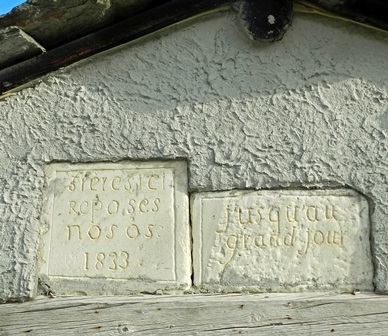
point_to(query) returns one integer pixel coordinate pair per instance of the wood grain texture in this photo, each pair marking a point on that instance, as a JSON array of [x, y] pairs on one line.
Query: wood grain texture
[[262, 314], [114, 35]]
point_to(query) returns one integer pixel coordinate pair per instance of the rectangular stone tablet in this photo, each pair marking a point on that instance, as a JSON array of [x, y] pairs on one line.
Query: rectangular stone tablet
[[266, 241], [114, 228]]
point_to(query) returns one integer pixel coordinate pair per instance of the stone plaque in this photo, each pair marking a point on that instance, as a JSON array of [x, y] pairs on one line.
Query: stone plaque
[[283, 241], [116, 227]]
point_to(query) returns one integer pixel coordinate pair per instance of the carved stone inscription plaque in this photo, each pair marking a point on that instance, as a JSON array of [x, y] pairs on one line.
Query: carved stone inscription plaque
[[116, 227], [281, 241]]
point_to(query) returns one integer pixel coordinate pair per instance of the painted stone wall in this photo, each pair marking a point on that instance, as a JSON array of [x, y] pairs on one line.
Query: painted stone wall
[[309, 111]]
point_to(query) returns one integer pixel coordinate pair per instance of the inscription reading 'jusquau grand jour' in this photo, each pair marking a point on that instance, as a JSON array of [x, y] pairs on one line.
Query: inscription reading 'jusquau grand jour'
[[111, 223], [281, 227], [283, 239]]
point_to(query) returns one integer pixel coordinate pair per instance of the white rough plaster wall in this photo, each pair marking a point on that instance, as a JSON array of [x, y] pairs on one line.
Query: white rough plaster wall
[[310, 110]]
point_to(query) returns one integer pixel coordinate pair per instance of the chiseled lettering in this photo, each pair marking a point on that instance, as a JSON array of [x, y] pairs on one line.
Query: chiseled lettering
[[259, 216], [231, 244], [94, 232], [312, 213], [150, 233], [84, 208], [259, 241], [78, 230], [143, 205], [115, 183], [100, 259], [291, 217], [71, 186], [72, 205], [289, 238], [163, 180], [83, 180], [113, 255], [255, 228], [132, 231], [329, 212], [150, 183], [113, 207], [248, 216], [131, 204], [128, 185], [104, 179], [274, 240], [307, 244], [112, 261], [246, 239], [125, 256], [330, 237], [86, 265], [112, 231], [156, 205], [93, 182], [96, 206], [319, 237], [224, 226], [139, 182], [337, 238], [273, 217]]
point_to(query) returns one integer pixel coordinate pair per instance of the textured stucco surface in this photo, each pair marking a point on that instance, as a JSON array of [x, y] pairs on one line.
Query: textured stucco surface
[[308, 111]]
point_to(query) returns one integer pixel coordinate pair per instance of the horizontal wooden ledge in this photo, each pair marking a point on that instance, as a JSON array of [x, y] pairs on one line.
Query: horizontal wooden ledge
[[258, 314]]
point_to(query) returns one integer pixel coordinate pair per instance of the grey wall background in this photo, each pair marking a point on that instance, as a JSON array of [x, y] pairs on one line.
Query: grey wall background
[[311, 110]]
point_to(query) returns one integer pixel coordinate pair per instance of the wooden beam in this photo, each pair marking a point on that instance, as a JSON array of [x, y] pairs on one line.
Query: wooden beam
[[122, 32], [372, 13], [254, 15], [233, 314]]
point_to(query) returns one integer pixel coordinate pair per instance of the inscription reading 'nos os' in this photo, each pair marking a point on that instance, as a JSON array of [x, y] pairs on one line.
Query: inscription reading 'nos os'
[[109, 218]]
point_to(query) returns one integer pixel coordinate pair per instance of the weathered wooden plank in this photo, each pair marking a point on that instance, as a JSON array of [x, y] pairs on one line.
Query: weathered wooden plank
[[54, 23], [17, 46], [119, 33], [263, 314]]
